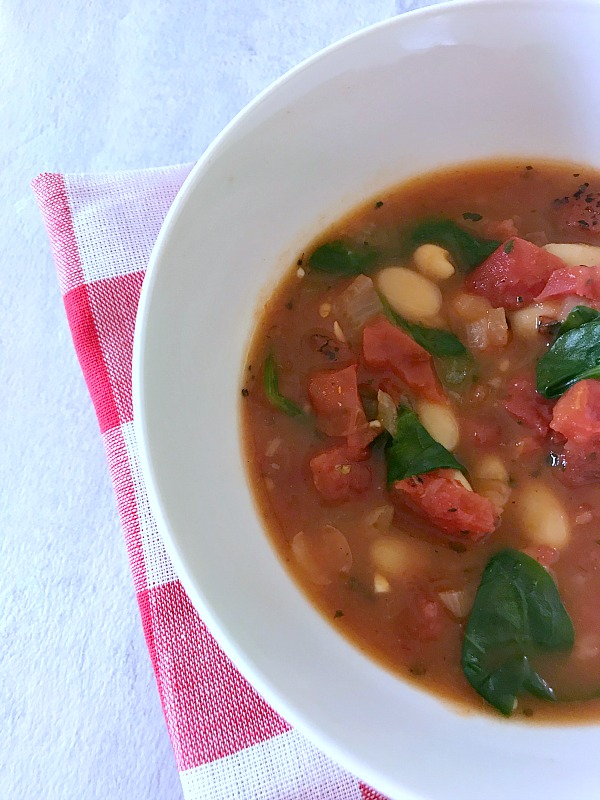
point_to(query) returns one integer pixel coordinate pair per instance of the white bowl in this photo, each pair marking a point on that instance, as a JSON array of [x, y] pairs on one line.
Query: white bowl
[[448, 84]]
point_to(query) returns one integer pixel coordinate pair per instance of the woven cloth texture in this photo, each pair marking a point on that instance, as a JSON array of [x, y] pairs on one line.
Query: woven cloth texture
[[228, 743]]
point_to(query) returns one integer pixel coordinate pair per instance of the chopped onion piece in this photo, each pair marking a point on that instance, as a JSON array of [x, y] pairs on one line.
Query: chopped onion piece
[[457, 603], [358, 304], [380, 518], [323, 553], [490, 330], [497, 327], [386, 412]]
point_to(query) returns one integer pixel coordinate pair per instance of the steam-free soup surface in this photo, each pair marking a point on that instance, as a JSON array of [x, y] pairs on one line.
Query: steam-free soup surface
[[421, 421]]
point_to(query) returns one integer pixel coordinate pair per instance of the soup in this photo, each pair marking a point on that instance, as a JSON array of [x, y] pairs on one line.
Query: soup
[[421, 424]]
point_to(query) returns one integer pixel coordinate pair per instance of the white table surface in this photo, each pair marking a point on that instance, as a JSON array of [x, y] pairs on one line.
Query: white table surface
[[88, 86]]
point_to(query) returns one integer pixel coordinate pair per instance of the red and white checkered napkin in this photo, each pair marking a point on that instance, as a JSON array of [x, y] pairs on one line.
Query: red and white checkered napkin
[[228, 743]]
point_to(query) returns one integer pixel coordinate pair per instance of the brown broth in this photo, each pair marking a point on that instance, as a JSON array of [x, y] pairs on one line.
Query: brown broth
[[277, 449]]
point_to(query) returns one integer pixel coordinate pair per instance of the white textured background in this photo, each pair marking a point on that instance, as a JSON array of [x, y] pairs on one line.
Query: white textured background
[[98, 85]]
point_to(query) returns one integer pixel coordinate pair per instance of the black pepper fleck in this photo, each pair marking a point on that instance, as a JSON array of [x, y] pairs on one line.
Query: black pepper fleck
[[245, 392]]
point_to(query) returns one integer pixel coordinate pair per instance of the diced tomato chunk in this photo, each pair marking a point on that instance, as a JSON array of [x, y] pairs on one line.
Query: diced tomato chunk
[[514, 274], [339, 473], [579, 281], [438, 495], [387, 347], [577, 417], [577, 413], [527, 406], [423, 615], [581, 466], [334, 396], [579, 211]]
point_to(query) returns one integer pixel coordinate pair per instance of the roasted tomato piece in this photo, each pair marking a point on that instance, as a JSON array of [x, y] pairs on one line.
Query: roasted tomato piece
[[334, 397], [514, 274], [447, 503], [577, 417], [577, 413], [578, 281], [340, 472], [387, 347], [422, 617], [527, 406]]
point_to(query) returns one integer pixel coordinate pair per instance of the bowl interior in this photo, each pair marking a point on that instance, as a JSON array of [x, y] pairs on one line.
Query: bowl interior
[[455, 83]]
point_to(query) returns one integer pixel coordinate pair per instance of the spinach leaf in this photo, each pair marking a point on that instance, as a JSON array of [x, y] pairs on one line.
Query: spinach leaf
[[467, 250], [574, 356], [578, 317], [517, 613], [337, 258], [438, 342], [413, 451], [274, 396]]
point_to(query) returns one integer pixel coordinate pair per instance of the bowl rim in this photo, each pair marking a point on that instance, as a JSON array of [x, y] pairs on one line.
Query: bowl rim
[[292, 713]]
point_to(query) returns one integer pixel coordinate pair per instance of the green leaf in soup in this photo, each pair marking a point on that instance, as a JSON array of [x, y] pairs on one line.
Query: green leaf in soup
[[516, 615], [578, 317], [574, 356], [413, 451], [438, 342], [467, 250], [274, 396], [338, 258]]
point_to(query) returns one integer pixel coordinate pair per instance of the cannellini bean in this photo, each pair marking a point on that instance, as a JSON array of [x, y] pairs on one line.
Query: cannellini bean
[[458, 476], [390, 556], [380, 584], [491, 480], [490, 467], [575, 255], [543, 519], [322, 553], [433, 262], [440, 422], [524, 321], [394, 557], [411, 295], [470, 307]]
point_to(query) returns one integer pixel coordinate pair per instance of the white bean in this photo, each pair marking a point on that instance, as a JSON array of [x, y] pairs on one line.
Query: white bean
[[395, 556], [575, 255], [458, 476], [390, 556], [411, 295], [524, 321], [440, 422], [490, 467], [543, 519], [433, 262], [380, 584]]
